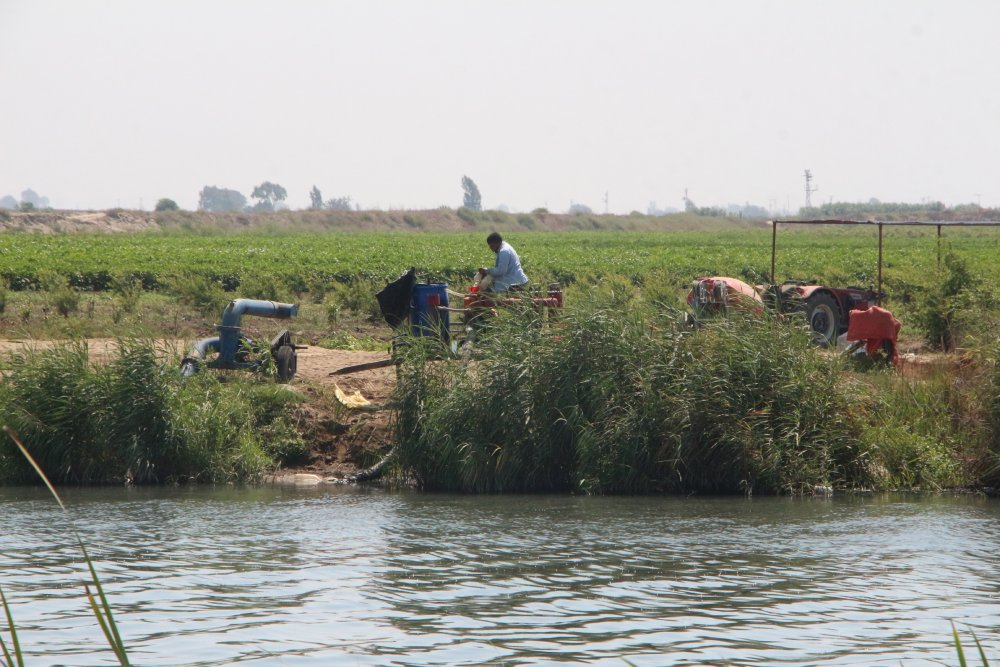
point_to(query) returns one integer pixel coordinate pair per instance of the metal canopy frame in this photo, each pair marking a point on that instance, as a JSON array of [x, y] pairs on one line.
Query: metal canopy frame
[[881, 225]]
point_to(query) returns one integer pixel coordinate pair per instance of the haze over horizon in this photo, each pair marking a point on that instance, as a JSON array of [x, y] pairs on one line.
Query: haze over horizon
[[541, 103]]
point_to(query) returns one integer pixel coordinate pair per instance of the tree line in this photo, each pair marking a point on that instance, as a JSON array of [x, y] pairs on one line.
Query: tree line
[[29, 201], [269, 196]]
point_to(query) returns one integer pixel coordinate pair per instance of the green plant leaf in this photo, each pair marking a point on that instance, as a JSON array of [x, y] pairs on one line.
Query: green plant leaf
[[13, 637]]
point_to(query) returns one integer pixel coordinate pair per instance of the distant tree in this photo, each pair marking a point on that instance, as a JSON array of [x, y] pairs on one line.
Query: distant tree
[[656, 210], [267, 195], [166, 205], [35, 199], [689, 206], [874, 207], [8, 202], [27, 206], [707, 211], [339, 204], [967, 209], [315, 198], [216, 199], [748, 210], [472, 198], [710, 211], [580, 209]]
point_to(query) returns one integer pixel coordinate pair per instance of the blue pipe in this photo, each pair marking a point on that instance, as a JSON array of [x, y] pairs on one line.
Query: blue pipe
[[201, 349], [237, 308], [229, 330], [230, 337], [206, 346]]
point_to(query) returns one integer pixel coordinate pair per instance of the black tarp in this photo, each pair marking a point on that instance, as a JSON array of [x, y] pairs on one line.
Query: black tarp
[[394, 299]]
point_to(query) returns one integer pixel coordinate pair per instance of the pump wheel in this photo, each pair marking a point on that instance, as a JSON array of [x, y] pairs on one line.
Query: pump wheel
[[285, 360], [823, 316], [190, 366]]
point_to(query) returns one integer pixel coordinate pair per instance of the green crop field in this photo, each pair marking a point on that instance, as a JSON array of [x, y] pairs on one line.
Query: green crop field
[[843, 256]]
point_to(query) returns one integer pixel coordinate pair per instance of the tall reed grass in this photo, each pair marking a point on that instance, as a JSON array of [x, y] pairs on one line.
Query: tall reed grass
[[614, 400], [617, 397], [960, 651], [134, 419]]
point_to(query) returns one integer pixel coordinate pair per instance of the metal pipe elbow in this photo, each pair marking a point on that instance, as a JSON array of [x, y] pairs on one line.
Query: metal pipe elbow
[[237, 308]]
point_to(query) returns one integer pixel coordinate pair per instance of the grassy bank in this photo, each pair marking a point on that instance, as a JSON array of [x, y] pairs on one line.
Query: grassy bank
[[135, 419], [617, 398]]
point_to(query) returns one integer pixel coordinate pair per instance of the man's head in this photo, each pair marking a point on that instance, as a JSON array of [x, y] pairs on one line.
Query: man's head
[[493, 241]]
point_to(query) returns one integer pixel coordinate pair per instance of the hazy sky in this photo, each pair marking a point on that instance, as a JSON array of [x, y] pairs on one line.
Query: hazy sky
[[541, 102]]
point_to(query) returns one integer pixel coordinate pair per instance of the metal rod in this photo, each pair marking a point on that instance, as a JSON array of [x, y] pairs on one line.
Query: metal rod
[[939, 248], [881, 224], [774, 245], [895, 223], [878, 297]]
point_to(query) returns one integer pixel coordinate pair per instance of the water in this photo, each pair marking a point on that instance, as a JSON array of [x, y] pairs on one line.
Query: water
[[366, 577]]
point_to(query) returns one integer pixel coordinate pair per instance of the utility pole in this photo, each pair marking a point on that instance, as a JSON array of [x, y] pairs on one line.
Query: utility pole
[[605, 202], [809, 189]]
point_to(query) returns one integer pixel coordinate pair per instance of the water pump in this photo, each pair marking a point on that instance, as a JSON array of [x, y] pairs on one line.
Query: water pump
[[233, 348]]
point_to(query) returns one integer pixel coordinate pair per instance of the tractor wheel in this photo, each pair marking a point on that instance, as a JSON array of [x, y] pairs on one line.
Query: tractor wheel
[[286, 362], [823, 316]]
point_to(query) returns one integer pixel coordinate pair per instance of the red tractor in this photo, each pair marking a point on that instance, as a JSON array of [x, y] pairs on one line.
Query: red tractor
[[827, 309]]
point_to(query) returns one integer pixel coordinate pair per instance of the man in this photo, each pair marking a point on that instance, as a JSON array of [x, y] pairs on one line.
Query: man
[[507, 273]]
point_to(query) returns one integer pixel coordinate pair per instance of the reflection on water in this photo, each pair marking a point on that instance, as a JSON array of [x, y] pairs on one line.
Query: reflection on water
[[349, 577]]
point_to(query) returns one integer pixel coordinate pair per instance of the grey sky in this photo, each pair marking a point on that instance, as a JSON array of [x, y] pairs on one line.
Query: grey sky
[[541, 102]]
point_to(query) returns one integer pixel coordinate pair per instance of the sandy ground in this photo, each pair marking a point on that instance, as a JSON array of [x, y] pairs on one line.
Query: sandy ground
[[341, 441]]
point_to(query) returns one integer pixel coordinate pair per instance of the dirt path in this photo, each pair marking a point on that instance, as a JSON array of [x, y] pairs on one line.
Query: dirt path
[[341, 441]]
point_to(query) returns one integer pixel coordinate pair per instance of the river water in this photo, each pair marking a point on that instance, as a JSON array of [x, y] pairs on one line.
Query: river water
[[342, 576]]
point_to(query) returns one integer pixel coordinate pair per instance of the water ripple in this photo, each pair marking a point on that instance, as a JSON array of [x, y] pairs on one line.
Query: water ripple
[[215, 577]]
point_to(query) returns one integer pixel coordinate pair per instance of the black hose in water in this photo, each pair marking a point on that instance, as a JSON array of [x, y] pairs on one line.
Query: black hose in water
[[374, 472]]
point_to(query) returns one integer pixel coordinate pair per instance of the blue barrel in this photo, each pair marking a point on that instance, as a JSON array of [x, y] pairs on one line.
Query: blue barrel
[[425, 318]]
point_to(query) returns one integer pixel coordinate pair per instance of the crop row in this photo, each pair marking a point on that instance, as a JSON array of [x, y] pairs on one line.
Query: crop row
[[96, 262]]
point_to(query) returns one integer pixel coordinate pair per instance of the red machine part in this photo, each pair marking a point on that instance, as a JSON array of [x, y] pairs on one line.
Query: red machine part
[[476, 299], [720, 292], [878, 328]]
